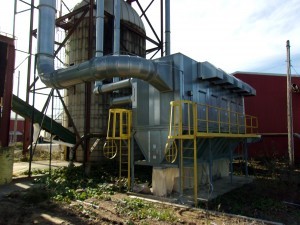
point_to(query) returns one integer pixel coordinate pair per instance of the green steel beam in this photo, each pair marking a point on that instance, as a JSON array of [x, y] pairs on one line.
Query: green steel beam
[[25, 110]]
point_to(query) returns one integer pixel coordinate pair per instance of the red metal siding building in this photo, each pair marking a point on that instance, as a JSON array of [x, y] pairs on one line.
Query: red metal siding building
[[270, 106], [7, 63], [19, 131]]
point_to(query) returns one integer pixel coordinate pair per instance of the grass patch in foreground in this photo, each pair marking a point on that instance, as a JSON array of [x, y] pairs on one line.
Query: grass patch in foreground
[[138, 209]]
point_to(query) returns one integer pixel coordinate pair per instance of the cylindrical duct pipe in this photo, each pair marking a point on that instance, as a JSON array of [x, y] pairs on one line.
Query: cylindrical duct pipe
[[121, 100], [117, 14], [99, 27], [167, 28], [98, 68], [46, 28], [113, 86], [99, 33], [123, 66]]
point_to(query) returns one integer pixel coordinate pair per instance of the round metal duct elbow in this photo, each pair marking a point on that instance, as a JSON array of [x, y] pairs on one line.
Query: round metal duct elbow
[[124, 66], [100, 68]]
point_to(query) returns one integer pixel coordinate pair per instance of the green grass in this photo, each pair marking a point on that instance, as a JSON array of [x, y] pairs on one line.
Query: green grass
[[68, 184], [138, 209]]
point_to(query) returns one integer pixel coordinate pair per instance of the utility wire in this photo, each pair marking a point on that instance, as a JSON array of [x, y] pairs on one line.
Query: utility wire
[[295, 70]]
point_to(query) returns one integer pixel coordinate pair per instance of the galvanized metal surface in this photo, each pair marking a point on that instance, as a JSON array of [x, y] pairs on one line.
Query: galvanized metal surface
[[117, 29], [45, 59], [156, 83], [151, 107], [99, 28], [167, 27], [46, 45], [126, 83]]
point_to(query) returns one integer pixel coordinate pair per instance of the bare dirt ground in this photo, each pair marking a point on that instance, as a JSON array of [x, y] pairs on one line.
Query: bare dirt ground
[[69, 198], [16, 209]]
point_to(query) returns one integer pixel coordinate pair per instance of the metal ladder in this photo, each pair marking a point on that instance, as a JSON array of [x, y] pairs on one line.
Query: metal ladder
[[182, 143], [118, 140]]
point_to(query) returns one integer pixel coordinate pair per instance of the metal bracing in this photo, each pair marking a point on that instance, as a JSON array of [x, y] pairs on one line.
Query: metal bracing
[[118, 140], [191, 122], [84, 10], [159, 40], [27, 125]]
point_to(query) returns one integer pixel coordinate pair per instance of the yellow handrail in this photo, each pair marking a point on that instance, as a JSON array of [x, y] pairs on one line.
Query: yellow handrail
[[184, 124]]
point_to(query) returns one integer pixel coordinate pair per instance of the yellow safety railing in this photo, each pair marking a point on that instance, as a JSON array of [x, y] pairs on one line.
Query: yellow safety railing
[[188, 118], [189, 121], [118, 139], [212, 119]]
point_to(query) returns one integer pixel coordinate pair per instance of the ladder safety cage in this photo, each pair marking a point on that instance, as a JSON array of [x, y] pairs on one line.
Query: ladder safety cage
[[119, 124], [118, 140], [182, 123]]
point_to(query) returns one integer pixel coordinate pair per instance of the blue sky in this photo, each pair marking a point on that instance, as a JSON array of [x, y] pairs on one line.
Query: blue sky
[[234, 35], [238, 35]]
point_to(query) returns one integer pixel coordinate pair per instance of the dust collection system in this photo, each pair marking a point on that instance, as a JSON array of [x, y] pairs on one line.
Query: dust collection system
[[182, 117]]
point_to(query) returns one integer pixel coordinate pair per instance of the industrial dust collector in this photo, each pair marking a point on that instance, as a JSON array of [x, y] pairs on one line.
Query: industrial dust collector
[[185, 118]]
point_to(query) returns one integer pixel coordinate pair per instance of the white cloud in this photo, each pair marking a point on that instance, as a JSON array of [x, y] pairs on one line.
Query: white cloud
[[231, 34]]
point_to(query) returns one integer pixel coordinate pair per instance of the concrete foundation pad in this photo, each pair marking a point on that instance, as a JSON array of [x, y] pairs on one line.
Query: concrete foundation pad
[[222, 186], [21, 167], [218, 188]]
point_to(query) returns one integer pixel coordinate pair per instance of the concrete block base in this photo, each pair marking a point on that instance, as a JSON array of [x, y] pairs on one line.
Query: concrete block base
[[166, 180], [163, 180]]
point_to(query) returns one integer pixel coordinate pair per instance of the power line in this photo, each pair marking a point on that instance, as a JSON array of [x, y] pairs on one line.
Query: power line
[[295, 70]]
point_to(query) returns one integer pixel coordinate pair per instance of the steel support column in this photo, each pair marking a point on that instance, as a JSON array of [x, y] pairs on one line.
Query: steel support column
[[87, 105], [27, 124]]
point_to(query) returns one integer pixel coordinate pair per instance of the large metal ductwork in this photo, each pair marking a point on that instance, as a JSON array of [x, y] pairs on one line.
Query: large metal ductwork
[[105, 67], [98, 68], [46, 27]]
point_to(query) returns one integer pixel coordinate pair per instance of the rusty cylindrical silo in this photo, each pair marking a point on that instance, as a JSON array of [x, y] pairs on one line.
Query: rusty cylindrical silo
[[132, 42]]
